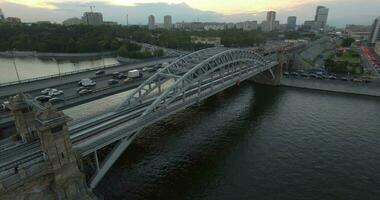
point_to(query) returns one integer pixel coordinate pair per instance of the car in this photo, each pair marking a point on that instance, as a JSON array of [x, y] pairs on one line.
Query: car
[[53, 93], [286, 74], [113, 82], [87, 82], [46, 91], [121, 76], [85, 91], [313, 76], [127, 80], [304, 74], [115, 74], [332, 77], [100, 72], [344, 79], [357, 80], [55, 100], [3, 108], [80, 88], [42, 98], [294, 74]]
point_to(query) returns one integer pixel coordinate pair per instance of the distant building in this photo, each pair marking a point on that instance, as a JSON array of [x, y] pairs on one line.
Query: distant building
[[43, 22], [375, 32], [247, 25], [230, 26], [72, 21], [216, 41], [271, 18], [308, 25], [1, 15], [377, 48], [321, 18], [357, 32], [292, 23], [92, 18], [168, 22], [13, 20], [214, 26], [109, 23], [151, 22]]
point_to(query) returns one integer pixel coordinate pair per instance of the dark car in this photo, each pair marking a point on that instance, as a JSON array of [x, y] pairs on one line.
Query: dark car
[[115, 74], [113, 82], [121, 76], [100, 72], [42, 98], [55, 100], [85, 91]]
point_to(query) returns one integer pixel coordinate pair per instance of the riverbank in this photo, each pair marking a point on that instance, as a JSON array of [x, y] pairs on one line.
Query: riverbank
[[368, 89]]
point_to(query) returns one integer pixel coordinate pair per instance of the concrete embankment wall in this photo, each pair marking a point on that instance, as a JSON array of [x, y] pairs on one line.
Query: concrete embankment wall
[[55, 55], [369, 89]]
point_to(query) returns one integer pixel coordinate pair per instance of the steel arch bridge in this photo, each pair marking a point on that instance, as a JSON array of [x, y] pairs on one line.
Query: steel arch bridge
[[100, 141], [186, 81]]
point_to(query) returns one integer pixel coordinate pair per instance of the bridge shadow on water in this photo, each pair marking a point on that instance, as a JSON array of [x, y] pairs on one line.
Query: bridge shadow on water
[[184, 153]]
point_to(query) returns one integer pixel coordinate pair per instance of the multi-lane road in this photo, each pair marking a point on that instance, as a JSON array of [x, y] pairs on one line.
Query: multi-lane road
[[31, 87], [69, 85]]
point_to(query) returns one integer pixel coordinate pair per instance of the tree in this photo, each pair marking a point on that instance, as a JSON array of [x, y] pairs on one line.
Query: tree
[[347, 42]]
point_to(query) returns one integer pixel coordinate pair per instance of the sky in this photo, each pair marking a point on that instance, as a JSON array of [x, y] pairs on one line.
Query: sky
[[342, 12]]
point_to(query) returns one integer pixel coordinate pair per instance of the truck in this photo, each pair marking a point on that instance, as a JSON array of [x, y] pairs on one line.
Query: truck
[[134, 74]]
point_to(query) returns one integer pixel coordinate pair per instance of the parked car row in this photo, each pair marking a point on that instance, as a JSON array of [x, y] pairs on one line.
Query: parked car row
[[371, 58], [326, 76]]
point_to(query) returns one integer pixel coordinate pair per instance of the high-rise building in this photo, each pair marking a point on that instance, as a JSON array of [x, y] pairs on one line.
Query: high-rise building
[[271, 18], [292, 23], [92, 18], [168, 22], [151, 22], [321, 18], [271, 21], [1, 15], [375, 32]]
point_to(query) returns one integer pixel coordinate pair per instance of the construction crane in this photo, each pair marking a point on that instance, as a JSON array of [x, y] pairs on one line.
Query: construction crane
[[91, 7]]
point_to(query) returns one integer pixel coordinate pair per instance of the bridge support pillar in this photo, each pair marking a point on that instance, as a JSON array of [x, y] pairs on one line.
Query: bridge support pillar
[[268, 77], [24, 116], [68, 181]]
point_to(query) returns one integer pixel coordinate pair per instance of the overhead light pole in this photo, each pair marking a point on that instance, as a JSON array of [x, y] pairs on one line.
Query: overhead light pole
[[16, 70]]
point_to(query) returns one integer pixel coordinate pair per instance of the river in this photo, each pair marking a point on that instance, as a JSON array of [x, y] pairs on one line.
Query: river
[[256, 142], [32, 67]]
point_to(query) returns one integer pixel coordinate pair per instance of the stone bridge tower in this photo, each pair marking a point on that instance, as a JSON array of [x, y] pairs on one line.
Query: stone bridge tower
[[69, 181]]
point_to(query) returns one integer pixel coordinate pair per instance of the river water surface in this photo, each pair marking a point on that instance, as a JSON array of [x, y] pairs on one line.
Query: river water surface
[[256, 142]]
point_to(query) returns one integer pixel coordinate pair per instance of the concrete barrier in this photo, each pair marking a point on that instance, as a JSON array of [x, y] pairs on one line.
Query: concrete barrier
[[368, 89]]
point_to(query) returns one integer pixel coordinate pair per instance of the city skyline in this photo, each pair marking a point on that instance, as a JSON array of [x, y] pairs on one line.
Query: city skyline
[[57, 11]]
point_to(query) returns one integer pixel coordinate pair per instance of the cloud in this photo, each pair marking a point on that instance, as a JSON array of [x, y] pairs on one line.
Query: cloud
[[342, 12]]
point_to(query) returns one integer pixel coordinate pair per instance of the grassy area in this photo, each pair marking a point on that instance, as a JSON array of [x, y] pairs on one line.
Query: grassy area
[[349, 56], [344, 62]]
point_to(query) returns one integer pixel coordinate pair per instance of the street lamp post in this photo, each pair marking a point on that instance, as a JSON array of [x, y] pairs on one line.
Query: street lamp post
[[16, 70]]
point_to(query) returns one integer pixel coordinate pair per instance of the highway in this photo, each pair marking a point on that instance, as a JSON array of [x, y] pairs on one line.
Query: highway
[[69, 85], [38, 85]]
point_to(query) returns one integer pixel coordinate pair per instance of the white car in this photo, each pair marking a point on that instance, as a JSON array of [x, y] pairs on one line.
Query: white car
[[46, 91], [55, 92]]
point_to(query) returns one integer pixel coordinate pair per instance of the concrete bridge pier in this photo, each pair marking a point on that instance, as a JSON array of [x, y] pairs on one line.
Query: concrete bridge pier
[[24, 116], [270, 77]]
